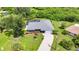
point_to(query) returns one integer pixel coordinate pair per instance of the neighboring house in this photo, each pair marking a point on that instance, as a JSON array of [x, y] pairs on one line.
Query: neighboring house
[[39, 25], [74, 29]]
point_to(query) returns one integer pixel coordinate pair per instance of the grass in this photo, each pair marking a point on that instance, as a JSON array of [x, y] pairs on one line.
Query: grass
[[5, 42], [60, 36], [28, 42]]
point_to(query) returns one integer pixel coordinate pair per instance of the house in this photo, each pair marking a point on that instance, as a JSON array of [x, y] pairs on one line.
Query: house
[[74, 29], [39, 25]]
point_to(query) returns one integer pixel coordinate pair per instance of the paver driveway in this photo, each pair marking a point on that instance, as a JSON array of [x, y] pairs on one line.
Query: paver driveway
[[47, 42]]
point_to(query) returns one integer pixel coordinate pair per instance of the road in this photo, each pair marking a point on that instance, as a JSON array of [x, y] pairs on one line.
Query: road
[[47, 42]]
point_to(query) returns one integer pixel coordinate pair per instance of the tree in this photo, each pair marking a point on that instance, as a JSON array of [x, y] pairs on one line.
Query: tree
[[9, 9], [24, 11], [76, 40], [40, 14], [66, 44], [70, 18], [1, 27], [13, 22]]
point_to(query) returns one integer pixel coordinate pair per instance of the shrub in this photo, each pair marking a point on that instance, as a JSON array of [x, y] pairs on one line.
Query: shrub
[[8, 32], [70, 18], [65, 32], [76, 41], [55, 32], [66, 44], [62, 25], [17, 47], [40, 14]]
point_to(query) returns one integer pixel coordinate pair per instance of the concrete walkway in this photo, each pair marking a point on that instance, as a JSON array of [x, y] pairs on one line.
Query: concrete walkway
[[46, 43]]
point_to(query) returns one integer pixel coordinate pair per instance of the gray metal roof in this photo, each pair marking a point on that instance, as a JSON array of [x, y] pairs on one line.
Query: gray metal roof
[[43, 25]]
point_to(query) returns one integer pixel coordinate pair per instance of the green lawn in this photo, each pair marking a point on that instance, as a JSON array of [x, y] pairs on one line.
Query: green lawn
[[5, 42], [28, 42], [60, 36], [31, 43]]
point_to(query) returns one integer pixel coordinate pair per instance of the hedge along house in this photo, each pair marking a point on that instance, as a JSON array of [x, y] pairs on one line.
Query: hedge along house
[[39, 25], [73, 30]]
